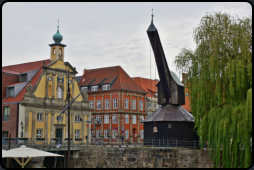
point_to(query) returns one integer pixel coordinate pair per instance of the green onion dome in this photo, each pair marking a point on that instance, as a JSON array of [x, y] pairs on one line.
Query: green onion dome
[[57, 37]]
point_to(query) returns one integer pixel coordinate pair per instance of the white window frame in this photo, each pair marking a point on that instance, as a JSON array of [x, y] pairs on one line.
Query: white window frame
[[85, 87], [91, 104], [134, 104], [140, 104], [98, 133], [114, 118], [114, 133], [127, 134], [142, 134], [149, 105], [106, 119], [39, 133], [98, 117], [134, 119], [141, 118], [59, 93], [106, 103], [126, 118], [94, 88], [40, 117], [126, 103], [106, 133], [77, 134], [106, 87], [77, 119], [99, 104], [114, 103]]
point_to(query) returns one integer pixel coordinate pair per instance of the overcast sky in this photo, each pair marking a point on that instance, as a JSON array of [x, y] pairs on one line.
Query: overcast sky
[[105, 34]]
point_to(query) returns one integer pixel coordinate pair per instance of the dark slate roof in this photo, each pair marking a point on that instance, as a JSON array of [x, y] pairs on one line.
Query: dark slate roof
[[170, 112], [78, 78], [151, 28], [176, 79]]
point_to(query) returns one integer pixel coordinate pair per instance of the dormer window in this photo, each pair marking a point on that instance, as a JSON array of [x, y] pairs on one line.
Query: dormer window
[[94, 88], [155, 94], [11, 91], [106, 87], [85, 88], [23, 77]]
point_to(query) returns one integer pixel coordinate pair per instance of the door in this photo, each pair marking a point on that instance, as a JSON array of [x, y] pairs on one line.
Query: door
[[59, 135]]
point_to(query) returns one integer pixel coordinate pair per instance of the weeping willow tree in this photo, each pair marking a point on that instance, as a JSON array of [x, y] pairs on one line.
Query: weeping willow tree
[[219, 79]]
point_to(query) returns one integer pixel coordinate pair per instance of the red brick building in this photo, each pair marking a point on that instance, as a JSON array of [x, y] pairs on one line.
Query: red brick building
[[187, 99], [117, 101], [15, 78]]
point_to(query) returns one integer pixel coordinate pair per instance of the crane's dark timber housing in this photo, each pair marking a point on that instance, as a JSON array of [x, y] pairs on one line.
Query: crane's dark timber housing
[[172, 120]]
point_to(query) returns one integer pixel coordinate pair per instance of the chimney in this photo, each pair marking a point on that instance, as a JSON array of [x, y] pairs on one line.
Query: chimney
[[84, 71]]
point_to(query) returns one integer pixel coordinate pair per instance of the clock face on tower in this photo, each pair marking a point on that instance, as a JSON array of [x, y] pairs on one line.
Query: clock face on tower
[[60, 56]]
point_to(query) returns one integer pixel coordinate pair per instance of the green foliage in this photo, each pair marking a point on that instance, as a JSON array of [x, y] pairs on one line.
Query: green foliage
[[220, 86]]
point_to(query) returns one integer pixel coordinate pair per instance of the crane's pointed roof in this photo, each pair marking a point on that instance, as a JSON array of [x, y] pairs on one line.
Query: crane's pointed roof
[[151, 28]]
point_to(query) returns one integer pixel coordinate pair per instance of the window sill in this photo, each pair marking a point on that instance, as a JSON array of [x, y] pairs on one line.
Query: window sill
[[39, 120]]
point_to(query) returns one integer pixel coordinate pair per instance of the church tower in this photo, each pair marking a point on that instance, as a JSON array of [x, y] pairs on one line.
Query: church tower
[[57, 49]]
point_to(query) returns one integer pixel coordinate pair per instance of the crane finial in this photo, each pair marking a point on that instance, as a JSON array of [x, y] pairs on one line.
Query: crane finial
[[152, 12]]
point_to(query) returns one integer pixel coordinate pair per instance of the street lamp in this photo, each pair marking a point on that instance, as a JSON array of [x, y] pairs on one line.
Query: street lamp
[[21, 123]]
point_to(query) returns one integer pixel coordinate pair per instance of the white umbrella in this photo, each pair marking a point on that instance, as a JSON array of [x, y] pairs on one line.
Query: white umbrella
[[5, 153], [26, 152]]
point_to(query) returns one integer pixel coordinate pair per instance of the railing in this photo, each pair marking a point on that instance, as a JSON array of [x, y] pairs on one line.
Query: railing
[[109, 142]]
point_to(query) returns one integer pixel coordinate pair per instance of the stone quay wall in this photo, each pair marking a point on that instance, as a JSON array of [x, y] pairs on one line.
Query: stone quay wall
[[131, 157]]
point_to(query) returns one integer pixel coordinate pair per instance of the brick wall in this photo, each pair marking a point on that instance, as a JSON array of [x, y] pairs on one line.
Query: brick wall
[[12, 122], [8, 79]]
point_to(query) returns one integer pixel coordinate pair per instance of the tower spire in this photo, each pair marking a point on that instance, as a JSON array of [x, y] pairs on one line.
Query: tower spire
[[152, 15], [58, 25]]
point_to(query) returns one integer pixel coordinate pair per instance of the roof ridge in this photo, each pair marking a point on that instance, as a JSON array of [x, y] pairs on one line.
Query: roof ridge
[[24, 63], [120, 77], [103, 68]]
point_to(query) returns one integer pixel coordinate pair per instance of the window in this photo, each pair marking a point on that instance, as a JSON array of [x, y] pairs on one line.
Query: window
[[39, 117], [77, 119], [126, 134], [126, 118], [60, 51], [133, 104], [54, 51], [98, 104], [169, 126], [141, 119], [23, 77], [39, 133], [149, 105], [155, 94], [106, 133], [77, 134], [91, 104], [126, 103], [98, 133], [141, 133], [59, 93], [114, 118], [98, 118], [11, 91], [6, 113], [140, 104], [91, 132], [5, 134], [134, 119], [187, 94], [106, 103], [85, 88], [149, 114], [91, 119], [154, 105], [105, 87], [115, 103], [114, 133], [94, 88], [106, 119]]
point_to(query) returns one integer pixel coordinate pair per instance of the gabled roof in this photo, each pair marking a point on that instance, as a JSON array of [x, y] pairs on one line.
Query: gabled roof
[[122, 82], [25, 67], [147, 84]]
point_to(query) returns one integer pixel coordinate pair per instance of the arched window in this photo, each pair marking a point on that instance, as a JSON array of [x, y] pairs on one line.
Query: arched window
[[54, 51], [59, 93], [60, 51]]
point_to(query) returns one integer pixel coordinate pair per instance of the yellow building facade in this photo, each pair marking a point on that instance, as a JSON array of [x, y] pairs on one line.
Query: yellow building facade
[[44, 101]]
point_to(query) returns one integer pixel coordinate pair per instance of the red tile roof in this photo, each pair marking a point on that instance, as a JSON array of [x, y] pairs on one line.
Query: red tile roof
[[147, 84], [11, 72], [122, 82], [24, 68]]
